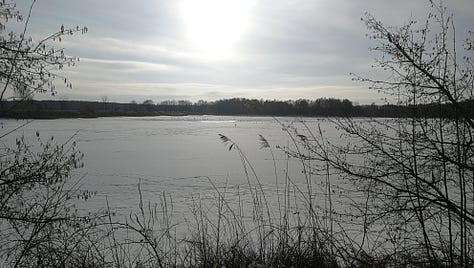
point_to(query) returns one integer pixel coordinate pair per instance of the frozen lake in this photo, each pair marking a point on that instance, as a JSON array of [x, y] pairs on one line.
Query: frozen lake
[[178, 156], [184, 161]]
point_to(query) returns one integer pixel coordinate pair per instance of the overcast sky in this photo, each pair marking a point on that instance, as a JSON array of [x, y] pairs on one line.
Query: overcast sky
[[213, 49]]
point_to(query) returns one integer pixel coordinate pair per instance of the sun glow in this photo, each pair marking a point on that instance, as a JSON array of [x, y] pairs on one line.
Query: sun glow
[[213, 27]]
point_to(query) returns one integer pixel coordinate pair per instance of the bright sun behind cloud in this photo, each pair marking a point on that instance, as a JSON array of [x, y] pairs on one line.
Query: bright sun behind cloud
[[214, 26]]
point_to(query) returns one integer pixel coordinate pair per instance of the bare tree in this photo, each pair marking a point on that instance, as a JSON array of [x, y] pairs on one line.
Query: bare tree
[[29, 66], [415, 174], [148, 102], [38, 224]]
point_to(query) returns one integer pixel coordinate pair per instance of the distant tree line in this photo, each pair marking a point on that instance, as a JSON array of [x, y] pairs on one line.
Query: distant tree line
[[235, 106]]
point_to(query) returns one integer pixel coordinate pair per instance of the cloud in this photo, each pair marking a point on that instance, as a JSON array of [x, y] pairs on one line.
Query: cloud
[[125, 66], [125, 92], [290, 48]]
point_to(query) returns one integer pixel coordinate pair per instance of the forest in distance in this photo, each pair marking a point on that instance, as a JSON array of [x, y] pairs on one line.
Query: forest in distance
[[322, 107]]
